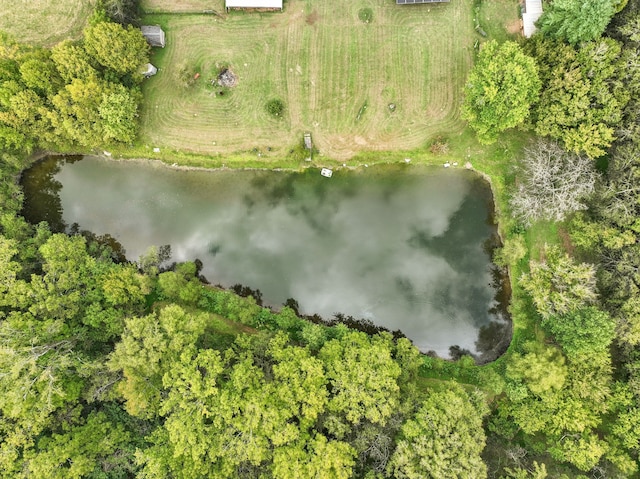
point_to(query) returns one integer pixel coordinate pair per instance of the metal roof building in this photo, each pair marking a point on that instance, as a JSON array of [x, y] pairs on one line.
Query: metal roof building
[[532, 11], [154, 35]]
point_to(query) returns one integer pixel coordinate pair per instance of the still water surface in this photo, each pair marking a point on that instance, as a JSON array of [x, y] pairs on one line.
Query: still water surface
[[407, 248]]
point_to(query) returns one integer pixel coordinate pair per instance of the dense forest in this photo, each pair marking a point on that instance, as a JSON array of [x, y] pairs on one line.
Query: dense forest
[[120, 369]]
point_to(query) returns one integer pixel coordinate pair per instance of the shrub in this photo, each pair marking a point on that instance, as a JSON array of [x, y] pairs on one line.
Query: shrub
[[439, 146], [365, 15], [275, 107], [185, 75]]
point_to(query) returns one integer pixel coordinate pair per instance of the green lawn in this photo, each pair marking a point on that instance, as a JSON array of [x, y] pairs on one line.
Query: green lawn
[[44, 22], [336, 75], [181, 6]]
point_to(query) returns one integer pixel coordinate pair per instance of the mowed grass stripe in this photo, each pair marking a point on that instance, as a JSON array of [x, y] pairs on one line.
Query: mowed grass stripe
[[311, 73], [290, 50], [324, 63], [44, 22]]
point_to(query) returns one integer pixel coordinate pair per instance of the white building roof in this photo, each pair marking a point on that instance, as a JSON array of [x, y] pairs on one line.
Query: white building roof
[[533, 11], [254, 4]]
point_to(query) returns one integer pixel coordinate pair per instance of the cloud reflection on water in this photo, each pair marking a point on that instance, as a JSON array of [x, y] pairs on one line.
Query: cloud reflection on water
[[401, 249]]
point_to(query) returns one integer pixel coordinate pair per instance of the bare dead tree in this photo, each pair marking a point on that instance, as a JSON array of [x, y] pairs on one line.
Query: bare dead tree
[[125, 12], [552, 183]]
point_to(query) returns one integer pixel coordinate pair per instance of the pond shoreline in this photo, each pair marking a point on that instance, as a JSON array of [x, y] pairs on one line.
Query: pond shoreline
[[505, 283]]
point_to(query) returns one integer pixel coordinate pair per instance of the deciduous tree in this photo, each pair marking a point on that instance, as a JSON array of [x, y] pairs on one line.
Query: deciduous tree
[[500, 90], [583, 98], [363, 377], [119, 112], [584, 332], [149, 348], [443, 439], [559, 285], [72, 61], [121, 49], [552, 183], [76, 452]]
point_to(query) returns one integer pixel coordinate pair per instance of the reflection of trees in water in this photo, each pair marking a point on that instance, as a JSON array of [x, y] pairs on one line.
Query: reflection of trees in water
[[493, 340], [42, 193], [107, 243], [42, 203]]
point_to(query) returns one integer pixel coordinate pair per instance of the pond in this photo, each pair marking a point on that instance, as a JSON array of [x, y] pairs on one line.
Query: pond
[[405, 247]]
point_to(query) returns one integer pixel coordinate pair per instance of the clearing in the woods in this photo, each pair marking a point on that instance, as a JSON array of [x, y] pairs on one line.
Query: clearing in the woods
[[392, 83]]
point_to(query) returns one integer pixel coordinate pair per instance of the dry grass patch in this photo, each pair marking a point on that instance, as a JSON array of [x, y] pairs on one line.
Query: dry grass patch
[[415, 58], [44, 22]]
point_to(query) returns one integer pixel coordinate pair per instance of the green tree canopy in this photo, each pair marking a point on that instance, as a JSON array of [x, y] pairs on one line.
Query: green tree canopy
[[500, 90], [123, 50], [443, 439], [556, 403], [583, 96], [78, 94], [576, 20], [119, 112], [77, 451], [72, 61], [586, 331], [559, 285], [363, 377]]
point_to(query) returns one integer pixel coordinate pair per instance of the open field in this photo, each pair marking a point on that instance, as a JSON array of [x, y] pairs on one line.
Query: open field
[[44, 22], [336, 74]]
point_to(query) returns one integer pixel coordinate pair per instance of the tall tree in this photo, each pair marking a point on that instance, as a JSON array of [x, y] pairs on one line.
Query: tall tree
[[119, 111], [72, 61], [363, 377], [149, 347], [576, 20], [121, 49], [552, 183], [77, 452], [584, 96], [500, 89], [443, 439], [584, 332], [559, 285], [75, 118], [55, 327], [555, 403], [38, 72]]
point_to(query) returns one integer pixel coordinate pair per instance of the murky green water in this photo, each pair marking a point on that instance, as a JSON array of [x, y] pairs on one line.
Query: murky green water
[[406, 247]]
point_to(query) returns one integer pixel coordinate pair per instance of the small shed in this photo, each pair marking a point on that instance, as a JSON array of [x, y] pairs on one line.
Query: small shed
[[154, 35], [257, 4], [149, 70]]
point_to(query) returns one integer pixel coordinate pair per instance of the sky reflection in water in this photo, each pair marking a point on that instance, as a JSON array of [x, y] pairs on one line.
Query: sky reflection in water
[[402, 247]]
